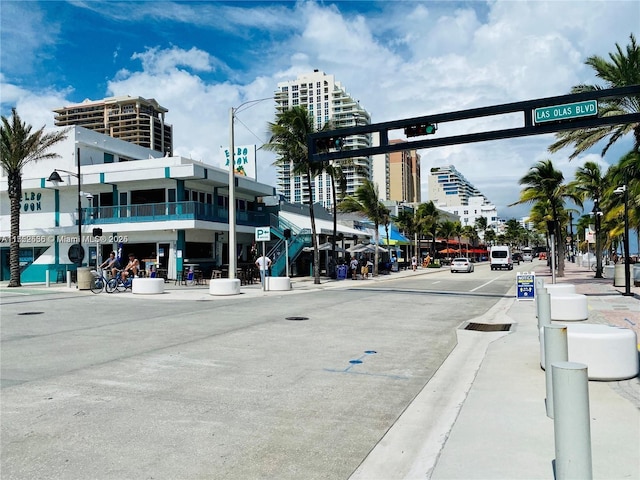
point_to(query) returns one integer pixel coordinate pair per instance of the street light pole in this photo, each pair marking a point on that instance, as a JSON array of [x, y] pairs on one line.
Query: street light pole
[[598, 213], [233, 258], [627, 258]]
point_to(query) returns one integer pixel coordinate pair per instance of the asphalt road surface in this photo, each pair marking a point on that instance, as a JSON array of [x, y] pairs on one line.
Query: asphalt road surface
[[290, 386]]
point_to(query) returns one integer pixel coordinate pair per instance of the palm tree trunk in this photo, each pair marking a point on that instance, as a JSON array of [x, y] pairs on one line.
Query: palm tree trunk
[[15, 194]]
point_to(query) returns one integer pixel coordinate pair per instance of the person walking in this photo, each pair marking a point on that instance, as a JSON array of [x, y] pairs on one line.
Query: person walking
[[263, 263], [414, 263], [353, 265]]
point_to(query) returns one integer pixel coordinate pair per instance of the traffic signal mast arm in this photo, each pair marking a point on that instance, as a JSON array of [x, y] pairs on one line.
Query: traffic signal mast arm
[[430, 122]]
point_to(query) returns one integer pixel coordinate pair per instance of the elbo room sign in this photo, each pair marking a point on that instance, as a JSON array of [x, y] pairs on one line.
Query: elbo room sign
[[525, 286]]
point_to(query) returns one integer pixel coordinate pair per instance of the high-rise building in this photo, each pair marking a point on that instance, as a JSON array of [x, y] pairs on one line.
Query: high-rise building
[[326, 101], [132, 119], [404, 175], [451, 192]]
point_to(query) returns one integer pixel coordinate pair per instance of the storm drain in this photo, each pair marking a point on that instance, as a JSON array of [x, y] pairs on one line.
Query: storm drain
[[489, 327], [296, 319]]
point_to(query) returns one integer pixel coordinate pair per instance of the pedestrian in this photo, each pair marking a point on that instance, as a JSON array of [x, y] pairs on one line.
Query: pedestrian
[[263, 263], [414, 263], [427, 260], [353, 265]]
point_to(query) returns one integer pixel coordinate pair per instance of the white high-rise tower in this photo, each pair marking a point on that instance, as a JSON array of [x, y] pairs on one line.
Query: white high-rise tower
[[326, 101]]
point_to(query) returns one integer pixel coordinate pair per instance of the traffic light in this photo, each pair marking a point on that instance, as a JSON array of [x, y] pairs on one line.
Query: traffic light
[[420, 129], [329, 143]]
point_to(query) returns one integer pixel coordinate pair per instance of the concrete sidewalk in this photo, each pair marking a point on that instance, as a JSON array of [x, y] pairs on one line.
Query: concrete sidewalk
[[483, 415]]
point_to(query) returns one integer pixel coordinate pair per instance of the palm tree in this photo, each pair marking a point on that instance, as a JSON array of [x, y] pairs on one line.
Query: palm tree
[[406, 222], [489, 236], [480, 225], [447, 229], [367, 202], [472, 236], [544, 184], [289, 140], [428, 216], [19, 146], [622, 69]]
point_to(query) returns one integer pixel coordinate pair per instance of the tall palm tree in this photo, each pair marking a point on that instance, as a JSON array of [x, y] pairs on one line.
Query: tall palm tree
[[544, 184], [428, 217], [480, 225], [625, 172], [289, 141], [406, 222], [367, 202], [18, 147], [622, 69], [447, 229]]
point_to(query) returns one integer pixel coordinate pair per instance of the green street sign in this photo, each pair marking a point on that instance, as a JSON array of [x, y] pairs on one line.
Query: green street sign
[[566, 112]]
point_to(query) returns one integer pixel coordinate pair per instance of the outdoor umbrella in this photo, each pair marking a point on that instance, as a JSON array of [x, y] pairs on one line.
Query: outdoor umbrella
[[448, 250]]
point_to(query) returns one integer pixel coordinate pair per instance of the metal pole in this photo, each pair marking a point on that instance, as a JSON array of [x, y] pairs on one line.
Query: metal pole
[[597, 212], [264, 268], [232, 199], [79, 205], [556, 349], [286, 251], [572, 430], [627, 258], [553, 257]]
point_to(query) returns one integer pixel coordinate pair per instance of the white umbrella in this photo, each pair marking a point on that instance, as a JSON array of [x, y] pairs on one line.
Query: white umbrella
[[325, 247], [360, 247], [372, 249]]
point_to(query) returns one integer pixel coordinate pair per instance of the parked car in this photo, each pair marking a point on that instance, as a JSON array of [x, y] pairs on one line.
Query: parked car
[[461, 264], [527, 257]]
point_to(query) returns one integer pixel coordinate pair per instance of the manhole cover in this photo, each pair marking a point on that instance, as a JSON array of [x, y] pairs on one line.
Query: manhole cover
[[488, 327], [30, 313], [297, 319]]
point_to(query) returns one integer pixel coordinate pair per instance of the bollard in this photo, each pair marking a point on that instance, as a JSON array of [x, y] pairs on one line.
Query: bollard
[[68, 278], [556, 349], [571, 425], [539, 287], [47, 278], [544, 308]]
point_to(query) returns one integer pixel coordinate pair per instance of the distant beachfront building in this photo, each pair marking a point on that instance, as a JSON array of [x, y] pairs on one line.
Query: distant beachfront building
[[132, 119], [397, 174], [451, 191], [327, 101]]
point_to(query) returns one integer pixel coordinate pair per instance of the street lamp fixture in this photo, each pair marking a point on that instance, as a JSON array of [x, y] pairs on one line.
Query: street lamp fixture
[[597, 213], [623, 190]]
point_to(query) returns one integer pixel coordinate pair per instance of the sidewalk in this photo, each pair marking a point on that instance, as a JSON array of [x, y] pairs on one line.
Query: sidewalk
[[483, 415]]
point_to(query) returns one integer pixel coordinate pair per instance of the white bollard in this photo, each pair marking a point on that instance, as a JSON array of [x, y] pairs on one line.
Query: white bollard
[[571, 423], [556, 349], [47, 278], [544, 308], [68, 278]]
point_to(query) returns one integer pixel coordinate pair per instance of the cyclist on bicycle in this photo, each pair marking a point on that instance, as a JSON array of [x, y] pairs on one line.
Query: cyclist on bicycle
[[112, 264], [132, 268]]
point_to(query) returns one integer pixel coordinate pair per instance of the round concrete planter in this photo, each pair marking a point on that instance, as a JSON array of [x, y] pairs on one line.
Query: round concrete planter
[[224, 286], [147, 286]]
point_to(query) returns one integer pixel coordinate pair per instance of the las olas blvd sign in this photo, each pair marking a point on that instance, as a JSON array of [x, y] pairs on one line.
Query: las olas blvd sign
[[566, 112]]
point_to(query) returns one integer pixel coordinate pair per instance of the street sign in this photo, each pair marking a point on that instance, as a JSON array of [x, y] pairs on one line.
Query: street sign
[[525, 286], [263, 234], [566, 112]]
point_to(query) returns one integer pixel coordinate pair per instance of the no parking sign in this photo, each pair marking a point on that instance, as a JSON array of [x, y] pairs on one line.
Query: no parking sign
[[525, 286]]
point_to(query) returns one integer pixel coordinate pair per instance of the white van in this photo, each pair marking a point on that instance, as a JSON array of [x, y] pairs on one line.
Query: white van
[[500, 257]]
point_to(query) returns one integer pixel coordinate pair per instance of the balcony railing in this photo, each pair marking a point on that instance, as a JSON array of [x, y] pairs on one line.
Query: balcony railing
[[158, 212]]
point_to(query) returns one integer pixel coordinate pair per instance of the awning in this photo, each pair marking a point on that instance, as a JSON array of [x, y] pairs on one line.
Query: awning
[[395, 237], [324, 227]]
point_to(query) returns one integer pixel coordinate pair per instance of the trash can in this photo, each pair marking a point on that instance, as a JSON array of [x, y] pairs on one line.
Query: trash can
[[84, 278], [341, 272], [619, 276]]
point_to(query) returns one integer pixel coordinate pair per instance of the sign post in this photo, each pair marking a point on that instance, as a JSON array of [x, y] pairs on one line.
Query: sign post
[[263, 234], [525, 286]]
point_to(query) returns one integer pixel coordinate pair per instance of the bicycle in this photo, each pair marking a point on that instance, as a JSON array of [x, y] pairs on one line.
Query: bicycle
[[99, 281], [117, 285]]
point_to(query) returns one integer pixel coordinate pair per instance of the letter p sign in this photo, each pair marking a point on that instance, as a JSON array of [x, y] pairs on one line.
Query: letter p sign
[[263, 234]]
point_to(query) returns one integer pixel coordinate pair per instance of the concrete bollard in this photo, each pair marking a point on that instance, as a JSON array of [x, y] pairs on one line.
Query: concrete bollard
[[544, 308], [572, 430], [47, 278], [556, 349], [68, 278]]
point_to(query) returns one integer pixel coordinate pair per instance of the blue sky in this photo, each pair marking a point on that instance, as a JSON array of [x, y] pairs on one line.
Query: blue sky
[[400, 59]]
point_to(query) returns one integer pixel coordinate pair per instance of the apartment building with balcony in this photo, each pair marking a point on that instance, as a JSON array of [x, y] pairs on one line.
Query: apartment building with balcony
[[326, 101], [132, 119], [452, 192]]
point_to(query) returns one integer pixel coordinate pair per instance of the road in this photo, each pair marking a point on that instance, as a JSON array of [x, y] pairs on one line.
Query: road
[[267, 386]]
